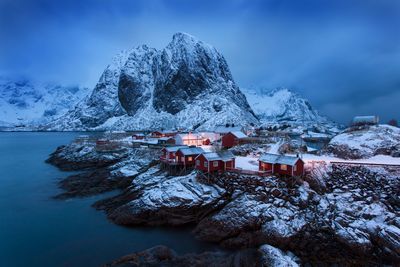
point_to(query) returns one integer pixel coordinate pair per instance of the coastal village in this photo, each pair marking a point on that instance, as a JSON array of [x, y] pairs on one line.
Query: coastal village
[[212, 153]]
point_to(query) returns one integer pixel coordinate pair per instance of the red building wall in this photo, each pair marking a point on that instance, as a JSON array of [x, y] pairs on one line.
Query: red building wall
[[220, 166], [229, 140], [278, 170], [186, 158]]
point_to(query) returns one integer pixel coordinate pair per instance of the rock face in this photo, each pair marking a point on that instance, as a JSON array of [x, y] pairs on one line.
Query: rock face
[[188, 84], [366, 141], [164, 256], [27, 103]]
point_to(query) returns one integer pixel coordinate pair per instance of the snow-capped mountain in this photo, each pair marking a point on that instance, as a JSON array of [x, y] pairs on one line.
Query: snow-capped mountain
[[283, 106], [23, 102], [188, 85]]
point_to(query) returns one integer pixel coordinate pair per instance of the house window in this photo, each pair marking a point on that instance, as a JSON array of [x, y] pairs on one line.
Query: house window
[[183, 159], [206, 164], [197, 162], [215, 163], [190, 158], [176, 158], [295, 168], [284, 167]]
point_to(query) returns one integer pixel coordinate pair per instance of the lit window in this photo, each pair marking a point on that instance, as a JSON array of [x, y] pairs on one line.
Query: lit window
[[183, 159], [215, 163], [295, 168], [284, 167], [205, 164], [197, 162], [190, 158]]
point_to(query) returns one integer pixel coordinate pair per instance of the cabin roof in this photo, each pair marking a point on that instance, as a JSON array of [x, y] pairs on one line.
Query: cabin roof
[[165, 138], [191, 151], [279, 159], [173, 148], [238, 134], [223, 155]]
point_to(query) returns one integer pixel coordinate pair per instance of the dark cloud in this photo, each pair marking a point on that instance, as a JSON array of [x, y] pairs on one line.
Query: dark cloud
[[342, 55]]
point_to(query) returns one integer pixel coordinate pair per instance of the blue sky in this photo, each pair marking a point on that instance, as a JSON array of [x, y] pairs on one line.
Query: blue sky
[[344, 56]]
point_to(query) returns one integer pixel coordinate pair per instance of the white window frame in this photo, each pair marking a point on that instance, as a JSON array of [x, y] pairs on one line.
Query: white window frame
[[206, 164], [295, 168], [284, 167], [215, 163], [197, 162]]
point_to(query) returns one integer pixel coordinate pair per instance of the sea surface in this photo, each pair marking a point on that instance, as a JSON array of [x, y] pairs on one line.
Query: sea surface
[[37, 230]]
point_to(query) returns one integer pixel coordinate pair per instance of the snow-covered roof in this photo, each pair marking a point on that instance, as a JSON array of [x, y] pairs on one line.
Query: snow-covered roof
[[239, 134], [280, 159], [222, 155], [165, 138], [191, 151], [174, 148]]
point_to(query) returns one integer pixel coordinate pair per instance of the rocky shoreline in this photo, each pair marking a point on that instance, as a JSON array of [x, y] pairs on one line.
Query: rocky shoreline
[[338, 215]]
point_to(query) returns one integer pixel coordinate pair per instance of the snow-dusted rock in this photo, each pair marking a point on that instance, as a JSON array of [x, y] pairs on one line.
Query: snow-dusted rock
[[275, 257], [365, 142], [156, 199]]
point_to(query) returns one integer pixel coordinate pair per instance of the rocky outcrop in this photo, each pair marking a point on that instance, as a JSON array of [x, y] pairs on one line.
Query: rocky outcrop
[[155, 199], [365, 142], [164, 256]]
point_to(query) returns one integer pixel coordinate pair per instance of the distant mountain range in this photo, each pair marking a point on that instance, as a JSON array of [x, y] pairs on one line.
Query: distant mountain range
[[186, 85], [27, 103]]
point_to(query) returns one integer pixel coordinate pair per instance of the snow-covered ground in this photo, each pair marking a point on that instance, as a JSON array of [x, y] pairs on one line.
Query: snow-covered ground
[[378, 159], [247, 163]]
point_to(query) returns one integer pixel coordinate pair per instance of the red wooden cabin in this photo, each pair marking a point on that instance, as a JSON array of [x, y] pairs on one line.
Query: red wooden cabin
[[168, 154], [232, 139], [187, 155], [212, 162], [138, 136], [158, 134], [279, 164]]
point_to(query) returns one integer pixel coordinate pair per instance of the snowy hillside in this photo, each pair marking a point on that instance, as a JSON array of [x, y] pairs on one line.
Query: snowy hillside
[[188, 85], [23, 102], [366, 142]]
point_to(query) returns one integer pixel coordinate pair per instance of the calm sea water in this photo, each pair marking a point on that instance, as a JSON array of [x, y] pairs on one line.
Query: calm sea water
[[36, 230]]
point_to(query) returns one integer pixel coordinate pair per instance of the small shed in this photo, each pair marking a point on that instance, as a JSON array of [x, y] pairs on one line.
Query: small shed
[[211, 162], [158, 134], [232, 139], [166, 141], [187, 155], [280, 164], [138, 136]]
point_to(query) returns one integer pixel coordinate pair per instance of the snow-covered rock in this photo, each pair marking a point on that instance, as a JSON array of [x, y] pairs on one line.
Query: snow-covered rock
[[188, 85], [367, 141], [28, 103], [155, 199], [274, 257]]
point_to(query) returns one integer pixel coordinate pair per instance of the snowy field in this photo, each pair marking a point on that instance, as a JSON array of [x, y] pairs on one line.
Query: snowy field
[[378, 159]]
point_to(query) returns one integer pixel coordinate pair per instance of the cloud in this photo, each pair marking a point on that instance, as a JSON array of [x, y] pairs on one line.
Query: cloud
[[339, 54]]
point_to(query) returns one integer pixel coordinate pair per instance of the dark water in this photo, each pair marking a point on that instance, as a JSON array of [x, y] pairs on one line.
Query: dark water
[[36, 230]]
